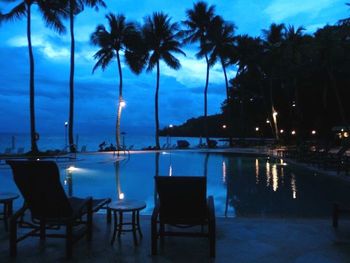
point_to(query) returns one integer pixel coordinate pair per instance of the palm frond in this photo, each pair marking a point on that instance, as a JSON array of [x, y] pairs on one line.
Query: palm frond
[[16, 13]]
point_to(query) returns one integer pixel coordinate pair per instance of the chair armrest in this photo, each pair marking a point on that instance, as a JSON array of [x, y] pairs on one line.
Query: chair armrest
[[211, 208], [86, 206]]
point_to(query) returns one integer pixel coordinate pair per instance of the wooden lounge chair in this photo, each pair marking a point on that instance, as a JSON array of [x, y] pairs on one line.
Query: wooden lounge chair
[[50, 208], [183, 203]]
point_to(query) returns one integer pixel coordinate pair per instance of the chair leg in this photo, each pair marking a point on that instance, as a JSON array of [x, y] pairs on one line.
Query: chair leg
[[212, 239], [13, 237], [42, 229], [335, 215], [109, 216], [154, 237], [69, 240], [89, 225]]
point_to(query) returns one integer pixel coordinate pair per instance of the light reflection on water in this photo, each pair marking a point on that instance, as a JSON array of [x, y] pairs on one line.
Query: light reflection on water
[[241, 186]]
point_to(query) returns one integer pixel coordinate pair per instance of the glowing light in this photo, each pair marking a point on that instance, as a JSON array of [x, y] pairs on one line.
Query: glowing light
[[170, 170], [268, 174], [346, 134], [257, 171], [342, 130], [274, 178], [65, 182], [71, 169], [170, 125], [281, 131], [121, 196], [38, 159], [293, 186], [65, 123], [224, 126], [122, 103], [267, 121], [274, 114], [224, 171], [313, 132], [256, 128], [293, 132], [293, 104]]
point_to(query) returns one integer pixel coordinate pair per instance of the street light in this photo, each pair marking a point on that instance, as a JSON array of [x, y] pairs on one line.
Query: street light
[[313, 132], [257, 129], [293, 132], [281, 131], [122, 103], [267, 121], [224, 126], [65, 133]]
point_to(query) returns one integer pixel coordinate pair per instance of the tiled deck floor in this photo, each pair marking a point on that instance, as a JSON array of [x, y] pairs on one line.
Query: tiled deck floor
[[238, 240]]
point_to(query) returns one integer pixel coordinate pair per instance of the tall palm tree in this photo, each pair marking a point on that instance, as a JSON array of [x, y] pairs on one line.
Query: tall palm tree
[[161, 40], [51, 11], [221, 41], [75, 7], [273, 39], [121, 37], [197, 26]]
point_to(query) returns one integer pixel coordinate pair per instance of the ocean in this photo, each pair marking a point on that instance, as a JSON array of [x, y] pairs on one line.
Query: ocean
[[91, 141]]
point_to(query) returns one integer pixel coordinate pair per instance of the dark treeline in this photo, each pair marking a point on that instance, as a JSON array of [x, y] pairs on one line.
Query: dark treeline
[[290, 81]]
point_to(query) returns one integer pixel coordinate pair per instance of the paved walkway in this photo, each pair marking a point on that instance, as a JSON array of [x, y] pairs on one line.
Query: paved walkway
[[238, 240]]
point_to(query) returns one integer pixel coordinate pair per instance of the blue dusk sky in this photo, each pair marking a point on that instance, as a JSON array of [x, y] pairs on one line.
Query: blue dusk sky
[[181, 92]]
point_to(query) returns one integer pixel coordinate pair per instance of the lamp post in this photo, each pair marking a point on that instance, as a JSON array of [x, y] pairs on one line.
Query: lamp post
[[170, 128], [65, 134]]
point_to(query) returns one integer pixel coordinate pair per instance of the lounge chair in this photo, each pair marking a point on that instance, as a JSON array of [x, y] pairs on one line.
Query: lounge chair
[[44, 196], [183, 203]]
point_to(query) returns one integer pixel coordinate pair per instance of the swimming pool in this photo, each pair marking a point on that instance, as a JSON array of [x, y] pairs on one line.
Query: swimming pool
[[241, 185]]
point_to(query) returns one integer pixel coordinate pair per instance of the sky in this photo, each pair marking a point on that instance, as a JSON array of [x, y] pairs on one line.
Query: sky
[[181, 92]]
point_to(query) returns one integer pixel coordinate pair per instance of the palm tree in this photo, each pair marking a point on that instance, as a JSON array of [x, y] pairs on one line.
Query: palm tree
[[273, 42], [197, 26], [221, 43], [121, 37], [51, 12], [160, 36], [75, 7]]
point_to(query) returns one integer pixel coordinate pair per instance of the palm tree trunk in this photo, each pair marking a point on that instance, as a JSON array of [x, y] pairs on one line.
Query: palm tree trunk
[[227, 98], [156, 109], [337, 95], [72, 147], [206, 102], [33, 136], [119, 115]]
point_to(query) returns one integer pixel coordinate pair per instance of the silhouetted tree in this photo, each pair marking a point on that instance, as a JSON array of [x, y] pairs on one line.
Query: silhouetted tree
[[197, 26], [75, 7], [160, 39], [121, 37], [52, 12]]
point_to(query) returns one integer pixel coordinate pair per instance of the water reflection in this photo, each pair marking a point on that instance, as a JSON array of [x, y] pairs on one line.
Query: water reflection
[[293, 185], [268, 176], [274, 178], [257, 171]]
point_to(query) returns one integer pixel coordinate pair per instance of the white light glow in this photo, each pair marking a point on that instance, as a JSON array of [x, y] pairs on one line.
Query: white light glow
[[122, 103], [293, 132], [282, 131], [121, 196]]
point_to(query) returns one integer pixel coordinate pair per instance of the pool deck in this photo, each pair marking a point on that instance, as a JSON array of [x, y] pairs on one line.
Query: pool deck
[[238, 240]]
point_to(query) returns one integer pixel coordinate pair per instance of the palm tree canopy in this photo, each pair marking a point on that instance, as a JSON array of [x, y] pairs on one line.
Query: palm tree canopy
[[120, 36], [161, 39], [220, 40], [197, 23], [51, 10]]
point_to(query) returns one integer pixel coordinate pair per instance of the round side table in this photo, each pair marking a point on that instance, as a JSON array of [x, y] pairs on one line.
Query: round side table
[[6, 199], [123, 206]]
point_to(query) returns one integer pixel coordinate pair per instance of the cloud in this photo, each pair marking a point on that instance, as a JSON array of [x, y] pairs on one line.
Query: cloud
[[193, 71], [279, 10]]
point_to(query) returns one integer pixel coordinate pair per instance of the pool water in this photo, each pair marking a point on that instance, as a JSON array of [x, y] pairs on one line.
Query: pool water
[[241, 185]]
